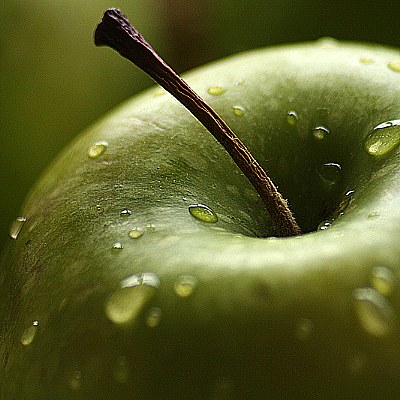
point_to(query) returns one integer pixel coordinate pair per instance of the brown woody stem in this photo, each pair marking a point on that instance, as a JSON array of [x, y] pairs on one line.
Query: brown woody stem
[[118, 33]]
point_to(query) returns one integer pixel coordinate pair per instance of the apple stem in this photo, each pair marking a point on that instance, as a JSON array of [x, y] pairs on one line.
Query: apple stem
[[118, 33]]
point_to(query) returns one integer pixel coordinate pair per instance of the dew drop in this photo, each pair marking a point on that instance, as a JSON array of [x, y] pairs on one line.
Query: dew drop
[[135, 233], [320, 132], [117, 246], [239, 111], [153, 317], [324, 225], [185, 285], [134, 293], [374, 312], [373, 215], [394, 66], [63, 304], [29, 333], [203, 213], [345, 201], [304, 329], [327, 42], [383, 280], [75, 381], [150, 228], [366, 61], [147, 278], [122, 370], [384, 138], [97, 150], [330, 173], [216, 90], [292, 118], [16, 227], [126, 212]]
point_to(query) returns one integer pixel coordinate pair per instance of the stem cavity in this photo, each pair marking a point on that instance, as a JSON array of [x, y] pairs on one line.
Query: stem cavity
[[117, 32]]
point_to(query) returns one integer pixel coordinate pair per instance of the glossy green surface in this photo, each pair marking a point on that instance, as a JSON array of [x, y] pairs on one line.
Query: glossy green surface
[[197, 310]]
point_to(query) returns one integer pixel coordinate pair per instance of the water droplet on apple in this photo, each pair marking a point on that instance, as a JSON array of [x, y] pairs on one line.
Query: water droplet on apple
[[216, 90], [117, 246], [384, 138], [394, 66], [135, 233], [223, 389], [128, 301], [146, 278], [239, 111], [327, 42], [373, 215], [324, 225], [203, 213], [304, 329], [320, 132], [97, 150], [330, 173], [185, 285], [122, 370], [16, 227], [153, 317], [383, 280], [75, 380], [150, 228], [292, 118], [345, 201], [29, 333], [374, 312], [126, 212], [366, 61]]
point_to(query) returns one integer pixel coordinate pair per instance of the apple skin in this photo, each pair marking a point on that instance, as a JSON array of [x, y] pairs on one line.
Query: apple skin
[[225, 314]]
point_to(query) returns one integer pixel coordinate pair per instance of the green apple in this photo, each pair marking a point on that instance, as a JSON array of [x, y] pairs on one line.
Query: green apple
[[144, 265]]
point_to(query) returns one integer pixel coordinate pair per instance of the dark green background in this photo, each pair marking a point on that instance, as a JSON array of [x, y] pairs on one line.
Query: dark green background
[[54, 82]]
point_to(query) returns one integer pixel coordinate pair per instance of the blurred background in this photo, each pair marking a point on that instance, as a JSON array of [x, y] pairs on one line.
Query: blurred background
[[54, 82]]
